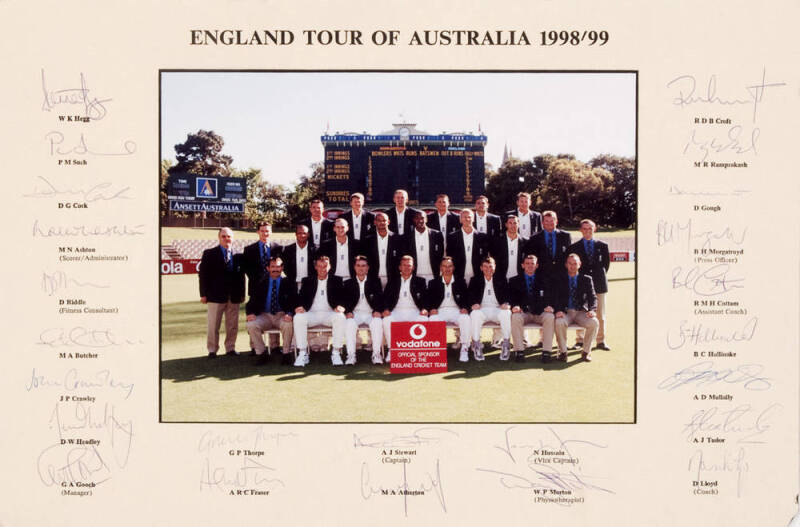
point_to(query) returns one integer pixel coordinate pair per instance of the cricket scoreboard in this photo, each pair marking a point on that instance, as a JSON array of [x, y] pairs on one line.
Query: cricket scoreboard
[[421, 163]]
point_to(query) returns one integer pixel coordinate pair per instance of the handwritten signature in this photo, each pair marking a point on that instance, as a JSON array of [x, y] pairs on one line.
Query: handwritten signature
[[687, 85], [80, 148], [671, 231], [697, 334], [52, 283], [252, 473], [710, 282], [420, 436], [743, 419], [730, 462], [75, 380], [83, 230], [733, 142], [702, 373], [674, 190], [82, 337], [430, 482], [93, 107], [100, 191]]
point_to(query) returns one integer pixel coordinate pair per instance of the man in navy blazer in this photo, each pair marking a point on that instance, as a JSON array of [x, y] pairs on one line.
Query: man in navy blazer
[[256, 256], [531, 302], [271, 306], [362, 297], [299, 257], [550, 246], [485, 222], [442, 219], [530, 221], [319, 303], [384, 250], [575, 301], [222, 290], [361, 222], [596, 261], [468, 247], [404, 299], [448, 301], [341, 250], [426, 246], [401, 216], [488, 295], [320, 228]]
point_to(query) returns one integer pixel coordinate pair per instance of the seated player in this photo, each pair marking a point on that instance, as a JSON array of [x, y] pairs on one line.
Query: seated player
[[448, 301], [575, 301], [319, 305], [404, 299], [488, 295], [531, 303], [271, 306], [363, 304]]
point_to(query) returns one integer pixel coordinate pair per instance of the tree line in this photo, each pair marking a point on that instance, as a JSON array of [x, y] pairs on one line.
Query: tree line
[[603, 189]]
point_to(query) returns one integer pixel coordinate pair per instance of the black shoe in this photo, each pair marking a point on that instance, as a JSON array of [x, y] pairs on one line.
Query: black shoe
[[262, 359], [253, 351], [231, 352], [602, 346], [212, 355], [538, 346], [546, 356], [577, 346], [287, 359], [520, 356]]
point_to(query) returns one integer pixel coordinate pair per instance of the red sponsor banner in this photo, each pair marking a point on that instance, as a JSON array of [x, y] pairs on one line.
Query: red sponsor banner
[[622, 256], [419, 347], [190, 266]]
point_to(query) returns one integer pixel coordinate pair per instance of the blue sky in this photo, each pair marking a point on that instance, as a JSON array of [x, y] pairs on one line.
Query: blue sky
[[273, 121]]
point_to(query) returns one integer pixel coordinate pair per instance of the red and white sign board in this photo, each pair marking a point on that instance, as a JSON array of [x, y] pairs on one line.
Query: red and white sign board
[[191, 266], [419, 347]]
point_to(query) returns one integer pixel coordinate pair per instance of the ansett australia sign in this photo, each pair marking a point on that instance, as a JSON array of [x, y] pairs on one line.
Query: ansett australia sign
[[419, 347]]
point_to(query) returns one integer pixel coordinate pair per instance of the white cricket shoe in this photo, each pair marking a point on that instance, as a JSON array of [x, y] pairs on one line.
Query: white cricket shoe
[[302, 358]]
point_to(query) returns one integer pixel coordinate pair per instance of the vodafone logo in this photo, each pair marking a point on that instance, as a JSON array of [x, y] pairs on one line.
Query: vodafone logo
[[418, 331]]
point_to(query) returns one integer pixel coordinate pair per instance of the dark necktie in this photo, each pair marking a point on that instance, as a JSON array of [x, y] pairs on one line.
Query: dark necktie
[[590, 250], [572, 290], [264, 254], [228, 259], [530, 284], [550, 244], [274, 307]]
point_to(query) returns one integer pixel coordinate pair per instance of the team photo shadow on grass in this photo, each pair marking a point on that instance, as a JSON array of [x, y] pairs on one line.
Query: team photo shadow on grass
[[231, 368]]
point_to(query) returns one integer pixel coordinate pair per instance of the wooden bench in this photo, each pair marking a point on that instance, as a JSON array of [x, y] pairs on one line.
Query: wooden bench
[[325, 330]]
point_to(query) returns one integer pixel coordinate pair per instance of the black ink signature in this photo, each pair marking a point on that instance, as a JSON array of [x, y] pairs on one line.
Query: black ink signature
[[254, 439], [51, 283], [698, 334], [55, 139], [689, 84], [729, 463], [100, 191], [730, 143], [420, 436], [82, 417], [713, 281], [252, 473], [81, 337], [744, 419], [93, 107], [430, 482], [670, 231]]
